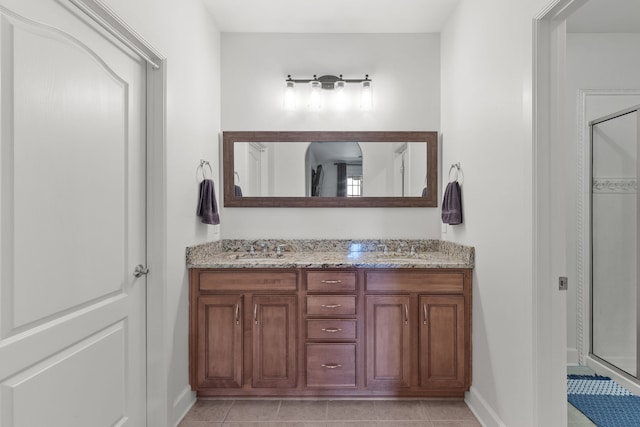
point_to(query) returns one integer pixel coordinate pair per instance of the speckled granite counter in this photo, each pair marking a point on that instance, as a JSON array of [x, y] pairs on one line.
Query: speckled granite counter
[[330, 254]]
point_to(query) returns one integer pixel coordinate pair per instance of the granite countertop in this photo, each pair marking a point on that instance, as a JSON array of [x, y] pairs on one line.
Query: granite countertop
[[330, 254]]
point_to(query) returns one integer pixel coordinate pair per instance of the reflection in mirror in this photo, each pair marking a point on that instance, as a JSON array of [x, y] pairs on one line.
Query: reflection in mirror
[[330, 169], [334, 169], [273, 169]]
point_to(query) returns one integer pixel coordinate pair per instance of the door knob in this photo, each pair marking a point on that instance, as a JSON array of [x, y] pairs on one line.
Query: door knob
[[140, 270]]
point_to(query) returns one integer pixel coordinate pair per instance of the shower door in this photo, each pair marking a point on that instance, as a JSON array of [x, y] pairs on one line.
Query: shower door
[[614, 231]]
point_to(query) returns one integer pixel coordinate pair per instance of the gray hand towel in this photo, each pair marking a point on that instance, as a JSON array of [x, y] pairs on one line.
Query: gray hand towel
[[237, 191], [452, 204], [207, 205]]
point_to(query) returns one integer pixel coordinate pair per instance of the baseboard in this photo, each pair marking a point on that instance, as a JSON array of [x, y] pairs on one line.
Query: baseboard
[[481, 409], [185, 400], [572, 357]]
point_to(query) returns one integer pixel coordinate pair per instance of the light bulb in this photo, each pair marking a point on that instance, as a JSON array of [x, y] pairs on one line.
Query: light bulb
[[366, 97], [315, 96], [340, 98], [289, 96]]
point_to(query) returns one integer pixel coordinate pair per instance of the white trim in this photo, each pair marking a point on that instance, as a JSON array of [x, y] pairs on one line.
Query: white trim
[[549, 394], [157, 354], [482, 410], [183, 403], [102, 14], [583, 255], [572, 357]]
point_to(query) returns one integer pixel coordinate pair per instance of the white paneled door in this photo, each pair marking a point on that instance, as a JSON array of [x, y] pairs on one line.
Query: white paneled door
[[72, 221]]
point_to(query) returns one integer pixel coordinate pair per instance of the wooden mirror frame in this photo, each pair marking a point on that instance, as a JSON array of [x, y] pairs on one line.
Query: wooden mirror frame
[[231, 200]]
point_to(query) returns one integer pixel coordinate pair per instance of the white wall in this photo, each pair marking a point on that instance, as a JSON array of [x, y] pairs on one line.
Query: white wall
[[594, 61], [184, 33], [405, 69], [487, 127]]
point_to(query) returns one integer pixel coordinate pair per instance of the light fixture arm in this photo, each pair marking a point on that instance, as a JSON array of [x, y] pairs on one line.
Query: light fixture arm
[[328, 81]]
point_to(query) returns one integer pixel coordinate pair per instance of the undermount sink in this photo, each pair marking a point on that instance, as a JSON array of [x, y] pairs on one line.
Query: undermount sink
[[255, 256], [398, 259]]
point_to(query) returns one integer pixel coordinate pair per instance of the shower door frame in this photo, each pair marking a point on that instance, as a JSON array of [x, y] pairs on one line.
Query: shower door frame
[[586, 98], [589, 269]]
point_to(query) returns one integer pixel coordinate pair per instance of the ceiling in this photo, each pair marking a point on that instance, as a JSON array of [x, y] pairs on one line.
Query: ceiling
[[331, 16], [606, 16]]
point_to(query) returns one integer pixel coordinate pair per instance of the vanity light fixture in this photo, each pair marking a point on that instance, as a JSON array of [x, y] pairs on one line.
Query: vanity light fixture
[[315, 99], [289, 95], [366, 97], [327, 82], [340, 98]]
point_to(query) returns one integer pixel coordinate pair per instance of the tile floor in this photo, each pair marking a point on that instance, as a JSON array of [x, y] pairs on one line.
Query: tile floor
[[330, 413]]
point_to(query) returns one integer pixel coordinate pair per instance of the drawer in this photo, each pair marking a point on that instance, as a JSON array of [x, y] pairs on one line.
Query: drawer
[[331, 305], [234, 280], [331, 365], [414, 281], [327, 329], [331, 281]]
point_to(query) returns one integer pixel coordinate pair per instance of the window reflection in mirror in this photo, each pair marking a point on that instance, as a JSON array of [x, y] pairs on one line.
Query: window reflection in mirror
[[334, 169]]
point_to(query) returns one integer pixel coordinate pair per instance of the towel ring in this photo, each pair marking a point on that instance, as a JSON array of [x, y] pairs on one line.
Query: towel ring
[[455, 166], [200, 168], [237, 175]]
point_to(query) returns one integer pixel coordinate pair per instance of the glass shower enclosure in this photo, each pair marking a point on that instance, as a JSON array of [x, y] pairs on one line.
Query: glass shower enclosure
[[614, 240]]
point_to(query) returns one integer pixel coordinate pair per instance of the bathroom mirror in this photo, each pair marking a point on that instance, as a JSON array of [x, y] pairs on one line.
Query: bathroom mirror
[[330, 169]]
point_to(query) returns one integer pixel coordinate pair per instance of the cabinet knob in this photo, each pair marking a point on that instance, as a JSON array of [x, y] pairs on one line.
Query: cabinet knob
[[331, 365]]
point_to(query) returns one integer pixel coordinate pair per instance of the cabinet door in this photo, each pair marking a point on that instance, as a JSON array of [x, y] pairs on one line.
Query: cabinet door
[[274, 340], [388, 341], [442, 331], [219, 353]]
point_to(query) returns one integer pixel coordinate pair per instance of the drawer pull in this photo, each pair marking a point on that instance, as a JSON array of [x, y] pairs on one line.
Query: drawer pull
[[406, 314], [331, 282], [255, 313], [331, 305], [331, 330], [331, 365], [237, 314]]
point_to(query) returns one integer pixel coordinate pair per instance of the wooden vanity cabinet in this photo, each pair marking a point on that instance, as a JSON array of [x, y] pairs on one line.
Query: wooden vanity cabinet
[[274, 341], [243, 334], [418, 330], [442, 352], [331, 329], [219, 349], [402, 332], [388, 341]]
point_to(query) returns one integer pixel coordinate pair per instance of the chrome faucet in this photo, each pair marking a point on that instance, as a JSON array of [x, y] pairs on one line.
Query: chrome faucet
[[252, 250], [263, 247], [412, 251], [384, 249], [279, 251], [400, 246]]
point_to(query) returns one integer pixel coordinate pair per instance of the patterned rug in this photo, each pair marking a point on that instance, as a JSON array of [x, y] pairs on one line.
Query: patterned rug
[[606, 403]]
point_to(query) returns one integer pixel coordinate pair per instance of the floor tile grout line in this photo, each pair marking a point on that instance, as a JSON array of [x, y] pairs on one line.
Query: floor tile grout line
[[228, 411], [278, 410]]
